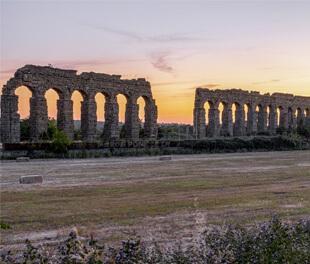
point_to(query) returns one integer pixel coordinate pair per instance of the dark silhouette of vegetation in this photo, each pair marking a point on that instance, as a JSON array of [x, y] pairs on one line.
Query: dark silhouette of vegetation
[[51, 129], [77, 134], [24, 130], [270, 242]]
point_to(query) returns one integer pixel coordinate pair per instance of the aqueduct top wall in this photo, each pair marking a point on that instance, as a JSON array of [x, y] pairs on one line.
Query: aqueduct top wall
[[40, 79], [294, 111]]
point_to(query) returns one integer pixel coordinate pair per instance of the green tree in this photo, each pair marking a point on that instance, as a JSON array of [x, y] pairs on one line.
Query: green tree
[[141, 129], [51, 129], [304, 131], [122, 132], [25, 129], [60, 142]]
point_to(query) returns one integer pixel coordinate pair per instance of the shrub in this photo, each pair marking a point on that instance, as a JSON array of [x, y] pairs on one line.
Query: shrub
[[60, 142], [4, 225], [270, 242]]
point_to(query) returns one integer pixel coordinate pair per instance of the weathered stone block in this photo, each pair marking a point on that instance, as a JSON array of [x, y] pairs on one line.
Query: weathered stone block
[[23, 159], [30, 179], [165, 158]]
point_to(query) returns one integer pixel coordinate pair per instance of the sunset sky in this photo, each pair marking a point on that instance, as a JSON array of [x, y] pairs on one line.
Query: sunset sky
[[176, 45]]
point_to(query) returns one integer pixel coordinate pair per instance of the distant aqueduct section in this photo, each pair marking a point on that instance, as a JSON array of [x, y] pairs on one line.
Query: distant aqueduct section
[[263, 112], [40, 79]]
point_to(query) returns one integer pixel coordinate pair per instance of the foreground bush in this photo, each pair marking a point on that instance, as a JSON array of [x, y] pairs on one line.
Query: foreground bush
[[272, 242]]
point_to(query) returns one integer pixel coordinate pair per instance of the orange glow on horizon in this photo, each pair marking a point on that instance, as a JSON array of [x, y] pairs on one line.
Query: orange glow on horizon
[[175, 101]]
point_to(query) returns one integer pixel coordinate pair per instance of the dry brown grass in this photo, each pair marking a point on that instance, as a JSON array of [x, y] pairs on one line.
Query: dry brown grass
[[163, 199]]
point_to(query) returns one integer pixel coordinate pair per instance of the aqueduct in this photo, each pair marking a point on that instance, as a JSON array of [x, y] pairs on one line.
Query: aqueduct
[[253, 112], [40, 79]]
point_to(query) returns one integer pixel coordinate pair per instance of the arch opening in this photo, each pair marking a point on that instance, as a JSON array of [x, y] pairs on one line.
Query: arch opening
[[51, 96], [207, 106], [23, 109], [121, 101], [24, 94], [233, 111], [142, 115], [221, 109], [77, 98], [279, 113], [268, 115], [100, 99]]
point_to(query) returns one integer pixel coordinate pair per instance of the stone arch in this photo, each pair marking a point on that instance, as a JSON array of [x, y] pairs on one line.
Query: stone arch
[[282, 116], [213, 127], [300, 117], [150, 115], [37, 112], [23, 94], [42, 78], [274, 102]]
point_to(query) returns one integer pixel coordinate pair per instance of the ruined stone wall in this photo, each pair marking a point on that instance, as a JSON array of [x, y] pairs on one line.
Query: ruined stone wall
[[263, 112], [40, 79]]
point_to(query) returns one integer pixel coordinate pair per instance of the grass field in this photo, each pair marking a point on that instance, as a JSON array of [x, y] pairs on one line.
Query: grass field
[[166, 200]]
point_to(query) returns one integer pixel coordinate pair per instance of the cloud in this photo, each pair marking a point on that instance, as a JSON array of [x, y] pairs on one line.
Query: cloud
[[161, 62], [210, 85], [271, 81], [181, 95], [173, 37], [170, 83], [8, 71], [69, 64], [77, 64]]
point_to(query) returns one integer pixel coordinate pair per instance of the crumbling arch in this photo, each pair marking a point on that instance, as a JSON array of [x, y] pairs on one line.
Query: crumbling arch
[[40, 79], [273, 111]]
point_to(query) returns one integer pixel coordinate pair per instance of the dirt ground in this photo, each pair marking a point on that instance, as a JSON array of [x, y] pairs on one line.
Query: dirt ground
[[115, 198]]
